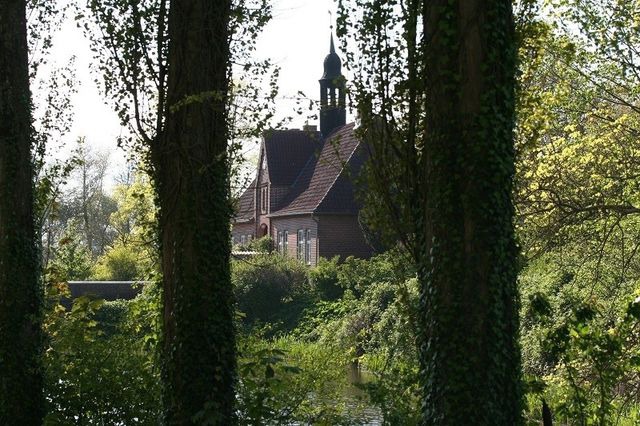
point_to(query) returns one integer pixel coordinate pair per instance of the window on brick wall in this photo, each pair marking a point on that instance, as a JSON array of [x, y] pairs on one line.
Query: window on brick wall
[[264, 198], [307, 246], [280, 242], [285, 242], [300, 248]]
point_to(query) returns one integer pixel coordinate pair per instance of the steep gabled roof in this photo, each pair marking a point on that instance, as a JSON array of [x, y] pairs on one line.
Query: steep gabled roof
[[323, 185], [246, 204], [287, 153], [341, 197]]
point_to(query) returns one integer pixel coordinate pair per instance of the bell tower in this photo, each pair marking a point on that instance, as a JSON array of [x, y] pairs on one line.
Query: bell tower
[[333, 112]]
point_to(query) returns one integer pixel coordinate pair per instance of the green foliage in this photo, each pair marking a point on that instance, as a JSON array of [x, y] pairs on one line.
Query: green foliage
[[577, 197], [135, 220], [270, 288], [395, 390], [375, 328], [98, 369], [579, 351], [358, 274], [262, 245], [330, 278], [381, 322], [434, 91], [372, 324], [72, 260], [324, 278], [121, 263], [283, 382]]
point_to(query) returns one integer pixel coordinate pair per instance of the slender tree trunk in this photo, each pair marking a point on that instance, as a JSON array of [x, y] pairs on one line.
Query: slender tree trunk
[[192, 179], [85, 205], [21, 397], [469, 352]]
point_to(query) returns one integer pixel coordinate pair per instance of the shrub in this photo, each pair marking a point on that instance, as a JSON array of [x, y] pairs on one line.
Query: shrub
[[93, 377], [324, 279], [261, 245], [121, 263], [111, 316], [267, 286], [72, 260], [357, 274], [283, 381], [580, 343]]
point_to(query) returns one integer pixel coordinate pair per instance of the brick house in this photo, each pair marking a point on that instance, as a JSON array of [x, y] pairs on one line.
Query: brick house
[[303, 194]]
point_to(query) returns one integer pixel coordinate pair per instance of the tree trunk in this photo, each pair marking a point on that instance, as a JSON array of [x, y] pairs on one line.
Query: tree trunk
[[21, 397], [191, 168], [469, 350]]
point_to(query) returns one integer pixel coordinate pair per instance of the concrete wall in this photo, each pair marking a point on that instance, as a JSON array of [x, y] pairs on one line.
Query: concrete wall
[[107, 290]]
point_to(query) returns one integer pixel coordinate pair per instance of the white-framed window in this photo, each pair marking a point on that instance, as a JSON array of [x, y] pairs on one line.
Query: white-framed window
[[280, 242], [300, 248], [243, 239], [285, 242], [307, 246]]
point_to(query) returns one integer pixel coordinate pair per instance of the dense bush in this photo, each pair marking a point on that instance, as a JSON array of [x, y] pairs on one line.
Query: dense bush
[[581, 349], [122, 263], [102, 368], [284, 381], [324, 279], [358, 274], [270, 288], [581, 354], [72, 260], [261, 245], [102, 358], [99, 372], [361, 311]]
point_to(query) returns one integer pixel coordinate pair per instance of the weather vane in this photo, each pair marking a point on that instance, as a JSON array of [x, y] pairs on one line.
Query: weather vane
[[330, 20]]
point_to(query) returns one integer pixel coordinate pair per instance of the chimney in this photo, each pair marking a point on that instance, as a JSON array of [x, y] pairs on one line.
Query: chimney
[[310, 128]]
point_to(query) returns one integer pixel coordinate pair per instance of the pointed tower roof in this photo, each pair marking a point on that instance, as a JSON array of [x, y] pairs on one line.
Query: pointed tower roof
[[332, 63]]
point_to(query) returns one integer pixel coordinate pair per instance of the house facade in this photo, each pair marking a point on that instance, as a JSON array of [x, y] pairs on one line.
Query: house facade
[[303, 193]]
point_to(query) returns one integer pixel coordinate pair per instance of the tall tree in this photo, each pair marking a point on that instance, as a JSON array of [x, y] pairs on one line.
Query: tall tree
[[469, 352], [165, 68], [21, 399], [192, 177], [436, 107]]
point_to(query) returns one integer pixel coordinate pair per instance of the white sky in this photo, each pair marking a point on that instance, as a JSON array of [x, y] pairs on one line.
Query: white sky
[[297, 40]]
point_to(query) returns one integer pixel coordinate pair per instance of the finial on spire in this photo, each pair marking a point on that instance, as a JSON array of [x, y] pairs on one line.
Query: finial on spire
[[332, 49]]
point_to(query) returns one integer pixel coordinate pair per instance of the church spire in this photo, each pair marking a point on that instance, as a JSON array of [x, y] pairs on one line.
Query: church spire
[[333, 113]]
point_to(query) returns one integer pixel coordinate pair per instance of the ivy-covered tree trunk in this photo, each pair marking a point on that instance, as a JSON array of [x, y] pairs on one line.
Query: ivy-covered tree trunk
[[469, 352], [21, 399], [192, 178]]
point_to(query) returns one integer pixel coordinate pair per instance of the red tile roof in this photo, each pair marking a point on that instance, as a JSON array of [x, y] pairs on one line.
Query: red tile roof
[[319, 173], [246, 204], [323, 186], [287, 153]]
